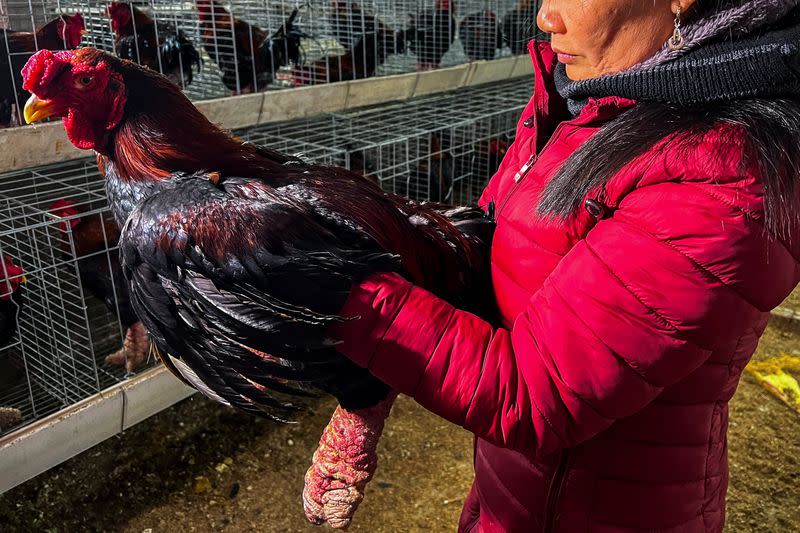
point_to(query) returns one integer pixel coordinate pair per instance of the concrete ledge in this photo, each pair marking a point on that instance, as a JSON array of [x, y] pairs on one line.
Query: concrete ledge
[[523, 67], [489, 71], [432, 81], [373, 91], [44, 444], [39, 144], [302, 102], [235, 111]]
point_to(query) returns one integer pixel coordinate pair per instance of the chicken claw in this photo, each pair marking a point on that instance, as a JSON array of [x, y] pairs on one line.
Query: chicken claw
[[343, 464], [135, 349]]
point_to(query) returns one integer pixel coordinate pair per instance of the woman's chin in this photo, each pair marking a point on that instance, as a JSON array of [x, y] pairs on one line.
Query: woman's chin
[[577, 72]]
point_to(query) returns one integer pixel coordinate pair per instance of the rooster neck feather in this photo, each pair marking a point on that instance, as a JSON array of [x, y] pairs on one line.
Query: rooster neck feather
[[163, 133]]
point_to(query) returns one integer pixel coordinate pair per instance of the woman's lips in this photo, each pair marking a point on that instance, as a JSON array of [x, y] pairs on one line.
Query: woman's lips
[[565, 58]]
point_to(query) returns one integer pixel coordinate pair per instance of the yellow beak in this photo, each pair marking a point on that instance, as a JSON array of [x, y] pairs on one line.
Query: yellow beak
[[37, 110]]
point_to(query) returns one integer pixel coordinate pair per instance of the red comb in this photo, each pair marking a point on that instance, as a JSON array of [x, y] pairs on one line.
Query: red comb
[[42, 68], [65, 208], [14, 278]]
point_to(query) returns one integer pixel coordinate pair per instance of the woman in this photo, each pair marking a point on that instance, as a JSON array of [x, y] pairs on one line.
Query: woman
[[647, 222]]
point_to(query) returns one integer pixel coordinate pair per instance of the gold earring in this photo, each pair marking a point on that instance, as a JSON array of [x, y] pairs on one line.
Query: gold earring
[[676, 42]]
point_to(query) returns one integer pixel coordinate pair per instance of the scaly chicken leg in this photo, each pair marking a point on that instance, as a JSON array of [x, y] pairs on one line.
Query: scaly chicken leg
[[135, 349], [343, 464]]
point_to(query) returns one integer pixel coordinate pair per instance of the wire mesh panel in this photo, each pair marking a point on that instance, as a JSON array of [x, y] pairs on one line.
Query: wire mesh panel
[[216, 48]]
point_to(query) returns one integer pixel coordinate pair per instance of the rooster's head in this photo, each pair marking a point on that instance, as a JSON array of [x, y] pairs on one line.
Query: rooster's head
[[83, 86], [125, 18], [67, 210], [10, 277], [71, 29]]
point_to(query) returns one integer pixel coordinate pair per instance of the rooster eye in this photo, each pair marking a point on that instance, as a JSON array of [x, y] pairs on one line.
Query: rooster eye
[[85, 80]]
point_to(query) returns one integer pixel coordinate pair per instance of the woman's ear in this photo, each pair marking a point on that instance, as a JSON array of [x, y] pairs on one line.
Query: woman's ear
[[684, 5]]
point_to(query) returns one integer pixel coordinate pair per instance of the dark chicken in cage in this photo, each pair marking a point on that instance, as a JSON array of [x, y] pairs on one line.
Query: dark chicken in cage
[[16, 47], [247, 55], [11, 279], [101, 274], [431, 32], [239, 290], [368, 42], [480, 35], [519, 25], [160, 46], [11, 301]]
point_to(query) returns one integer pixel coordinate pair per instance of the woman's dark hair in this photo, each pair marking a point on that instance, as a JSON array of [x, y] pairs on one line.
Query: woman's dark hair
[[771, 128]]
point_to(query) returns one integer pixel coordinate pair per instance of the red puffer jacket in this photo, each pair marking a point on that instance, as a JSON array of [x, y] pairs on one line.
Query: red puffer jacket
[[602, 403]]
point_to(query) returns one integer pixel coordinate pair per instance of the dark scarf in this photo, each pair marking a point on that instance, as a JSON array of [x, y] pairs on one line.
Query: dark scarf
[[765, 64]]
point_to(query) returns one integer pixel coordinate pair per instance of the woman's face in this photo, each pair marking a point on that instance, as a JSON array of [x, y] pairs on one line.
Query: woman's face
[[596, 37]]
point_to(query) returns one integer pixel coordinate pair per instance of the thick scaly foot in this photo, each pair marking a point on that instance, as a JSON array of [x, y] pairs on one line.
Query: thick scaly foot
[[135, 349], [9, 417], [343, 464]]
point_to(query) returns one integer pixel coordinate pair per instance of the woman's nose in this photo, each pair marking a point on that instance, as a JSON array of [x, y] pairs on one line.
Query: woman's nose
[[549, 19]]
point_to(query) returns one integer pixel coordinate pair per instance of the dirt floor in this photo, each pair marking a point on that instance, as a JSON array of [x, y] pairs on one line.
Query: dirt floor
[[203, 467]]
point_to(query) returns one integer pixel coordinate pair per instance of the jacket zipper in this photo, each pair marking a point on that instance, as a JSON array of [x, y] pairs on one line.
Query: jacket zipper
[[554, 494], [522, 172]]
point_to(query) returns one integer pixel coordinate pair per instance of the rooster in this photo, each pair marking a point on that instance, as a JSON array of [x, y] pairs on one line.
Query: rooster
[[156, 45], [480, 34], [247, 55], [431, 34], [101, 274], [519, 25], [361, 61], [16, 47], [367, 42], [11, 276], [239, 258]]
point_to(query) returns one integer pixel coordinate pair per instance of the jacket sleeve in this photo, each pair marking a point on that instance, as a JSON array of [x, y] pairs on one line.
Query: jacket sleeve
[[632, 309]]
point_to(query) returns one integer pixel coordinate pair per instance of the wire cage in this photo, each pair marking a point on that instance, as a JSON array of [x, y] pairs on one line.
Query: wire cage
[[215, 48], [442, 147]]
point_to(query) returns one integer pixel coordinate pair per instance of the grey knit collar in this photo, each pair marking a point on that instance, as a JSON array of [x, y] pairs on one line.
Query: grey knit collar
[[764, 64], [730, 23]]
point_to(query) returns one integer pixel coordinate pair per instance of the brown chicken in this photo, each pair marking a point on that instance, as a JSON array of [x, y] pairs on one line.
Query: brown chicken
[[16, 47], [247, 55], [367, 42], [157, 45], [93, 237]]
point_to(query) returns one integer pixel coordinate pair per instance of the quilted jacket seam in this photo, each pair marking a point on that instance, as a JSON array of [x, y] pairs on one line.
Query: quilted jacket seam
[[390, 325], [748, 214], [619, 356], [656, 530], [700, 267], [480, 377], [705, 468], [433, 352], [665, 322]]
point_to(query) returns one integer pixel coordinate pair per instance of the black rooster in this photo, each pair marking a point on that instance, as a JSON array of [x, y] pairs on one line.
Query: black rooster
[[157, 45], [519, 25], [247, 55], [431, 33], [480, 34], [368, 42], [239, 258]]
